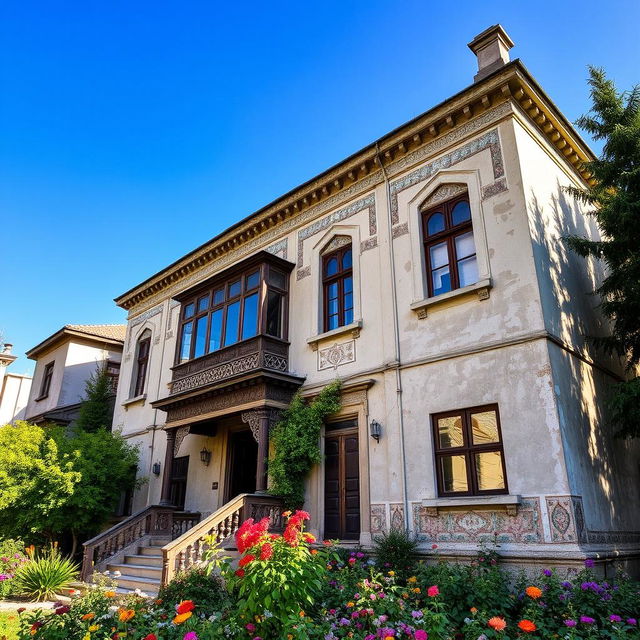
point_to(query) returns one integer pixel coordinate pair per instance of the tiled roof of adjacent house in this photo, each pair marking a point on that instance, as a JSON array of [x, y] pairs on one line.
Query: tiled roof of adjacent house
[[110, 331]]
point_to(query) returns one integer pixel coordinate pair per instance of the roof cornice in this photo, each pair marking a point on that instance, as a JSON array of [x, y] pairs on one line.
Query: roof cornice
[[511, 83], [66, 334]]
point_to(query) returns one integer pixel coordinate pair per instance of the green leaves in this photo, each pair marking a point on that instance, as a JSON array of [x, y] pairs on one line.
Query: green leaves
[[296, 440], [45, 575]]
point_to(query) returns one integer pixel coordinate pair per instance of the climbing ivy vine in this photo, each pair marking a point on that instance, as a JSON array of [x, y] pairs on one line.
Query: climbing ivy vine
[[296, 440]]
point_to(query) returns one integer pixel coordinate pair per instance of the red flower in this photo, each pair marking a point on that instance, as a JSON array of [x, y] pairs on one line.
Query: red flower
[[35, 626], [527, 626], [60, 610], [185, 606], [309, 537], [151, 636], [245, 560], [266, 551], [291, 536], [240, 573], [249, 534], [21, 609], [433, 591]]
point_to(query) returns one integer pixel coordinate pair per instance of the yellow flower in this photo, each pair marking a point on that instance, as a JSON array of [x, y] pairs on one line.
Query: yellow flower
[[416, 590], [87, 636], [182, 617], [109, 594], [289, 636], [412, 580], [350, 604], [124, 615], [94, 627], [392, 573]]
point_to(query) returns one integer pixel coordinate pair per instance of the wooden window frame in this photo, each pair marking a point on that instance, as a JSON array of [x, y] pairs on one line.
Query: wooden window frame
[[468, 450], [45, 385], [339, 277], [262, 289], [448, 236], [143, 351], [112, 371]]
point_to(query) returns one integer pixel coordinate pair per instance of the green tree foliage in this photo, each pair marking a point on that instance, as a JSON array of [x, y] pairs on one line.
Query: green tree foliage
[[56, 481], [615, 197], [96, 411], [296, 440], [36, 481]]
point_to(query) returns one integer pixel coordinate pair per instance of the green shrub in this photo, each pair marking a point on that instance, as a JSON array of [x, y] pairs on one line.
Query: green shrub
[[196, 585], [45, 574], [11, 558], [395, 550]]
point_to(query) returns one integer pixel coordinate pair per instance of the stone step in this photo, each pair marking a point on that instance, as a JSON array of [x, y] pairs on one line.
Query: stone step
[[149, 586], [147, 561], [150, 551], [159, 542], [138, 570]]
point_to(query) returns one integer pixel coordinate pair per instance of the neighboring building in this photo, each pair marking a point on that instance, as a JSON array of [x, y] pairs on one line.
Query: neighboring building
[[14, 388], [428, 272], [64, 363]]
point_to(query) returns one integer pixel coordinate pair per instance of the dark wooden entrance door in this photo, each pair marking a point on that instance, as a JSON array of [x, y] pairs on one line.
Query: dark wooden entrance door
[[243, 455], [342, 482], [179, 473]]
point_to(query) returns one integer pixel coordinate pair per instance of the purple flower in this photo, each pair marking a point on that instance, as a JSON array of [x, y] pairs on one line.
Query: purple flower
[[547, 572], [565, 585], [570, 623], [614, 618], [3, 576], [586, 620], [416, 614], [344, 622], [589, 563], [632, 621]]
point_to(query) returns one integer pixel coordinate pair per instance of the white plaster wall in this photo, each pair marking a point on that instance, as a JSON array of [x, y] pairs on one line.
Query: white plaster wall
[[15, 395], [58, 356]]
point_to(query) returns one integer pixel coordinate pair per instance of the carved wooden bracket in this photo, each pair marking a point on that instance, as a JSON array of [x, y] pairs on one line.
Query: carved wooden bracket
[[181, 434]]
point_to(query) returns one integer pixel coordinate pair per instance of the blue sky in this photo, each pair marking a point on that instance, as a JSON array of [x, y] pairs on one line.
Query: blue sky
[[131, 132]]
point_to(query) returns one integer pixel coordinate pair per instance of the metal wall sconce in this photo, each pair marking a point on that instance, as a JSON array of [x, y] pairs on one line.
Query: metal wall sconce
[[205, 456], [156, 468], [375, 430]]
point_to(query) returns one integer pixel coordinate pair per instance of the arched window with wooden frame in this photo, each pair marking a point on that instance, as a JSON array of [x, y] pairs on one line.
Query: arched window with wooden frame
[[143, 347], [449, 246], [337, 286]]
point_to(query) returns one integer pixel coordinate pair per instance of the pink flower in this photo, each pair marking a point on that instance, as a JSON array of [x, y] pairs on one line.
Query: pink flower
[[433, 591], [250, 627], [420, 635], [190, 635]]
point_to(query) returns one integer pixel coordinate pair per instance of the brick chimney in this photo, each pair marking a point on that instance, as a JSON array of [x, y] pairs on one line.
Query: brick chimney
[[492, 50]]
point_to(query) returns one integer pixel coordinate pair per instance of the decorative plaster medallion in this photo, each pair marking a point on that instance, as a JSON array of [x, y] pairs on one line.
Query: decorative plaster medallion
[[336, 355], [444, 192]]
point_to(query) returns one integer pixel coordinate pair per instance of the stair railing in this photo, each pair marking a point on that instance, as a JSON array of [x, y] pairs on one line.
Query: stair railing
[[187, 550]]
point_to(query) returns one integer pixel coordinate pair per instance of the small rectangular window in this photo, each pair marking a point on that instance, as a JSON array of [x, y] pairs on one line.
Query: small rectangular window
[[231, 327], [203, 303], [215, 337], [469, 452], [185, 344], [46, 380], [250, 316], [201, 337], [142, 362], [274, 314]]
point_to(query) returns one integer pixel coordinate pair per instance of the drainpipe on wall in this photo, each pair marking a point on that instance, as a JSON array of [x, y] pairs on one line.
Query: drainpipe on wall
[[396, 331]]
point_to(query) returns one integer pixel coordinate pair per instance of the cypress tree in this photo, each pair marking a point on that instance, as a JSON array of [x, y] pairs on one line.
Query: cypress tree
[[96, 411]]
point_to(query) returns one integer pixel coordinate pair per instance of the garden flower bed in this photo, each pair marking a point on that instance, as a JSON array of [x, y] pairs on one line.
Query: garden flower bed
[[289, 587]]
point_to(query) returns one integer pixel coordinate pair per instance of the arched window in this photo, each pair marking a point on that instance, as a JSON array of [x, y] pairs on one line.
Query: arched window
[[337, 283], [143, 346], [450, 252]]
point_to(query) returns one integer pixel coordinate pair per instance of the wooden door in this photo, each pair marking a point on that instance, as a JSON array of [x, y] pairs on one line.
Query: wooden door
[[179, 473], [342, 483], [243, 455]]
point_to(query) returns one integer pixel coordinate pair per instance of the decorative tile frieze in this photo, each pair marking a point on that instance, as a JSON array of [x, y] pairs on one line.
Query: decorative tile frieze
[[396, 516], [489, 140], [279, 248], [400, 230], [480, 525], [370, 243], [378, 519], [444, 192], [363, 185], [562, 522], [495, 188], [303, 273], [335, 243], [336, 355]]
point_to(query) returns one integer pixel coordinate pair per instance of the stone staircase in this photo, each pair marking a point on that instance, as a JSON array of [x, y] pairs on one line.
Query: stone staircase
[[141, 570]]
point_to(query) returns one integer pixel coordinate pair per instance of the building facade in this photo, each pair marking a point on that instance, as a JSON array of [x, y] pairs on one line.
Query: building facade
[[14, 388], [64, 363], [428, 273]]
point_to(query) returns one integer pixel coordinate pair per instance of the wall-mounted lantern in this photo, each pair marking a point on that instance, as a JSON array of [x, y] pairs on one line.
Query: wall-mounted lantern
[[375, 430], [156, 468], [205, 456]]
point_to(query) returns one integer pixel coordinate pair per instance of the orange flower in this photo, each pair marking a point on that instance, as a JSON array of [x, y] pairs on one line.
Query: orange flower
[[182, 617], [124, 615], [109, 594], [473, 610], [286, 514], [185, 606], [313, 552], [527, 626], [497, 623], [88, 616], [533, 592]]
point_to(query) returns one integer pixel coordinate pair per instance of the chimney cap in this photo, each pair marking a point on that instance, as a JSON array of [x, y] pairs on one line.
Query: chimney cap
[[494, 32], [492, 50]]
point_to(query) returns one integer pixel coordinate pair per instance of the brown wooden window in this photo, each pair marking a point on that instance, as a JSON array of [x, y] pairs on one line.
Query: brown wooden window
[[46, 380], [449, 247], [113, 373], [142, 363], [469, 453], [337, 282], [233, 310]]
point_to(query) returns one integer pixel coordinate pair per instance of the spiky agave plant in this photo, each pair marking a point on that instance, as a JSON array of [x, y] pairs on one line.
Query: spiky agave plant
[[45, 574]]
